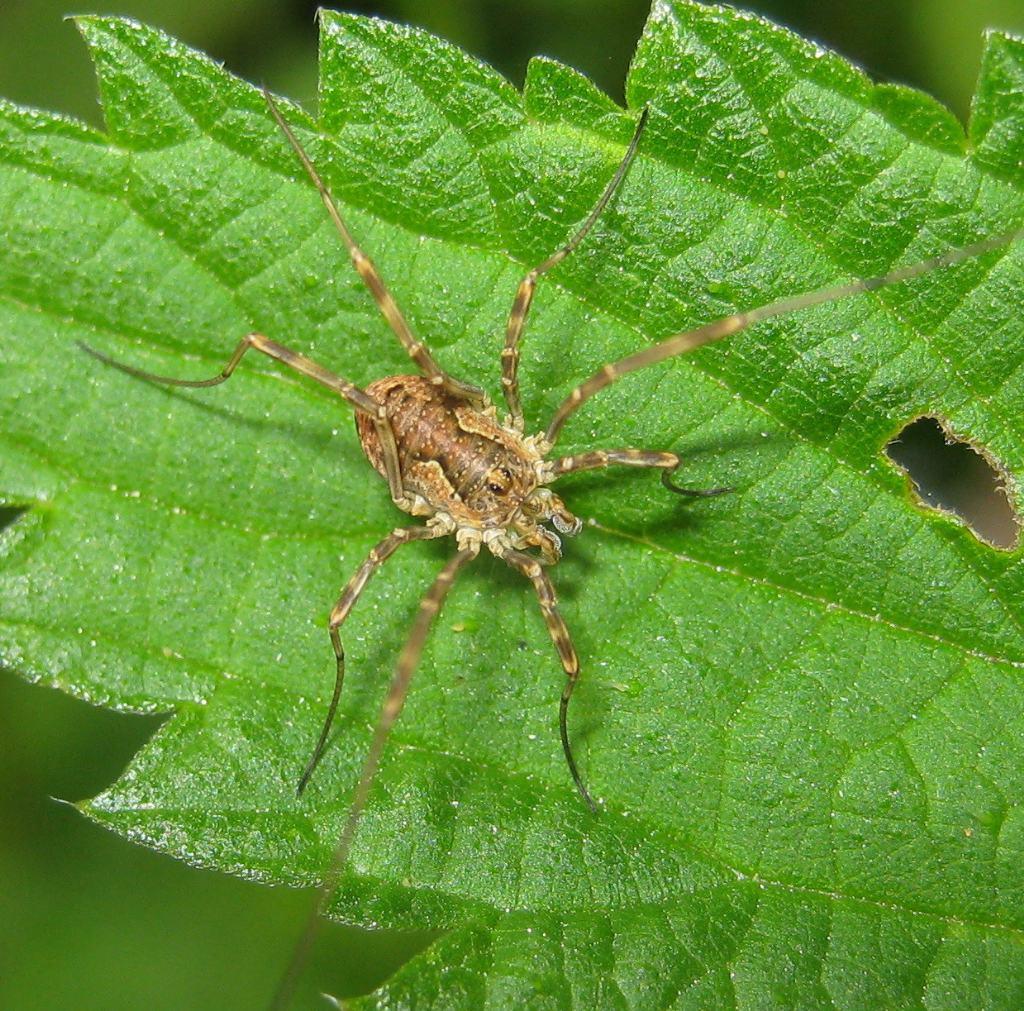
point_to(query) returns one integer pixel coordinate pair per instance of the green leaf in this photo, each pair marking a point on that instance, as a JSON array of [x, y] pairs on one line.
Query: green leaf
[[802, 704]]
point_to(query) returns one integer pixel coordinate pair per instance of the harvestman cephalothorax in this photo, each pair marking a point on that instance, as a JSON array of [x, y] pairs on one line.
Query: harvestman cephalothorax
[[448, 456]]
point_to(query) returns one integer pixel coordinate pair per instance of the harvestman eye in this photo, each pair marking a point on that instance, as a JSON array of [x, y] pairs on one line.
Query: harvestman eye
[[430, 476]]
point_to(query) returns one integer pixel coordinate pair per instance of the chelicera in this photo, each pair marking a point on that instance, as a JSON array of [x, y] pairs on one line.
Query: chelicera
[[448, 456]]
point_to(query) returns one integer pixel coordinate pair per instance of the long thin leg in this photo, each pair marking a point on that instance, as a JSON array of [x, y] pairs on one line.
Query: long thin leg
[[358, 398], [366, 269], [559, 632], [393, 703], [668, 463], [524, 294], [374, 560], [692, 339]]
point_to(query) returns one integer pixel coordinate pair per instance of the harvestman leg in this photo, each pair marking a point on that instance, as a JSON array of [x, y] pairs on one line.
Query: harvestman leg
[[682, 343], [404, 670], [378, 555], [358, 398], [533, 571], [668, 463], [524, 294], [362, 401], [366, 269]]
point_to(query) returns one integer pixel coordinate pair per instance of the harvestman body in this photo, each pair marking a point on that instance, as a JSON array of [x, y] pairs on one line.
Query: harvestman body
[[447, 456]]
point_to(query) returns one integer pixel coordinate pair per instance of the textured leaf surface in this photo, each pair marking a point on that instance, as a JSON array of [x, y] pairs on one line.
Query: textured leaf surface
[[802, 704]]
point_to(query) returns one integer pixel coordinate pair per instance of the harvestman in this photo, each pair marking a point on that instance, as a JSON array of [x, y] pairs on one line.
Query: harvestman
[[446, 455]]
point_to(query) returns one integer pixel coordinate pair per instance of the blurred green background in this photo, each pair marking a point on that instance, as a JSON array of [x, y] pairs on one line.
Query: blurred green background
[[89, 920]]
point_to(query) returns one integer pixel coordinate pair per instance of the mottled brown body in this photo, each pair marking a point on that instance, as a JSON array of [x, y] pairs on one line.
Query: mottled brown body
[[454, 455]]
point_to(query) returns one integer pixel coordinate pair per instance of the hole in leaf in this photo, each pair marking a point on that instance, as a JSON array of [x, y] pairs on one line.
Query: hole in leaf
[[954, 476]]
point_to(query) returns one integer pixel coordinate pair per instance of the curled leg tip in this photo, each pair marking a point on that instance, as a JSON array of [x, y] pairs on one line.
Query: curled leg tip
[[591, 803], [666, 480]]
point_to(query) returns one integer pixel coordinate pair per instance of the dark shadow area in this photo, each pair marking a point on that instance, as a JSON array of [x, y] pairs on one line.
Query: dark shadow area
[[955, 477], [179, 937], [238, 412]]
